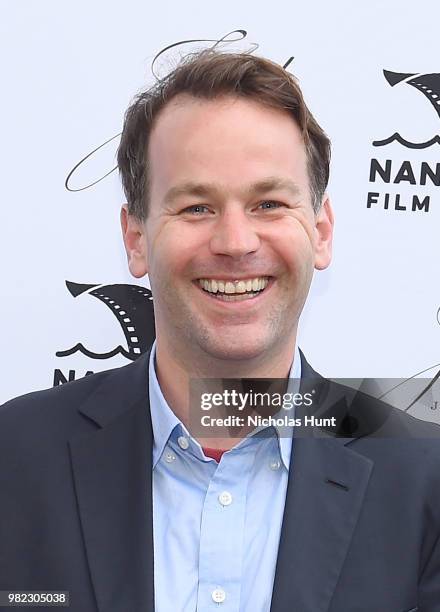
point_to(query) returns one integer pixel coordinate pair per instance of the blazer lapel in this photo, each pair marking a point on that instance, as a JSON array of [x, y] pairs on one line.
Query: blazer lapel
[[112, 473], [327, 484]]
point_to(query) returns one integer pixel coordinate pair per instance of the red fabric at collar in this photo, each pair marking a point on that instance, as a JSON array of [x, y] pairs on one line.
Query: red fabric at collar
[[214, 453]]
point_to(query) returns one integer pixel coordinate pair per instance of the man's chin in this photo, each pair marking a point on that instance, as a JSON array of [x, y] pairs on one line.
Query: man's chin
[[237, 349]]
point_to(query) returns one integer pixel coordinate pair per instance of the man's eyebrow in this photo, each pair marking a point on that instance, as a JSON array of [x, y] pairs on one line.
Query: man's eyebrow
[[273, 183], [192, 188]]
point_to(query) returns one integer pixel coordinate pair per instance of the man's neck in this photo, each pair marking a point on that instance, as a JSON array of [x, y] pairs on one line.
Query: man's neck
[[174, 373]]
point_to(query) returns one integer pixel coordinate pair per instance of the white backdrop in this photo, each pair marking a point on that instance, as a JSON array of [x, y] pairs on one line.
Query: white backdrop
[[69, 70]]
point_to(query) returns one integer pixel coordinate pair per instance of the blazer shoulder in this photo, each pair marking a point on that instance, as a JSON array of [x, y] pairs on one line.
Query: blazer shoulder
[[65, 394], [49, 407], [375, 416]]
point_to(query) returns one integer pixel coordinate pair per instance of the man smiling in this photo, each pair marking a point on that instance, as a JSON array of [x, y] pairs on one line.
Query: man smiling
[[225, 172], [228, 234]]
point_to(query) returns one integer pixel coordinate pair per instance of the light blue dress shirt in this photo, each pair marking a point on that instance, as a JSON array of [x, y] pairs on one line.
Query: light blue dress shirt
[[216, 526]]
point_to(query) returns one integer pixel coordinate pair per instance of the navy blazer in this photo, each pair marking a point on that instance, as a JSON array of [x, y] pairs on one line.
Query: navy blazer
[[360, 531]]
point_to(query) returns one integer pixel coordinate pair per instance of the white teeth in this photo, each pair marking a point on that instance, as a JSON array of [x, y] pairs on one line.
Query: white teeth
[[234, 287]]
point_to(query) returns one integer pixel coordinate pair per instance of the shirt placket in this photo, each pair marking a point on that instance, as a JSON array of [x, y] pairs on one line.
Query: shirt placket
[[222, 533]]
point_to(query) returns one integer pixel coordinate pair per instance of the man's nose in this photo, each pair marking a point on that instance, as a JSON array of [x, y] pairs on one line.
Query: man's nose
[[234, 234]]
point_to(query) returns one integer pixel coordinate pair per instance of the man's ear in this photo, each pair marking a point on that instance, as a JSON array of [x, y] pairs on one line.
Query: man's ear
[[324, 222], [133, 233]]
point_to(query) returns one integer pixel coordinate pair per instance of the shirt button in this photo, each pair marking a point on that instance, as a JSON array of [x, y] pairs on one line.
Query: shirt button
[[274, 465], [169, 457], [218, 595], [225, 499], [183, 442]]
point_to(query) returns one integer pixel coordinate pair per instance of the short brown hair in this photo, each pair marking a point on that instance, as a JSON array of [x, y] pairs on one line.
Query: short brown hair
[[209, 74]]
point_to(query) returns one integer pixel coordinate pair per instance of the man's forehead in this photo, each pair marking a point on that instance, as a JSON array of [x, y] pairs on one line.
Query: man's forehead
[[225, 151], [184, 107], [243, 133]]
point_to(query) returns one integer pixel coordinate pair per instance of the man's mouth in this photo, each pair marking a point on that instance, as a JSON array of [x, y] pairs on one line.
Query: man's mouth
[[234, 290]]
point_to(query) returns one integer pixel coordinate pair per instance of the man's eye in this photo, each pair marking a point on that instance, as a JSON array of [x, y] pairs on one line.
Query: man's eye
[[270, 205], [196, 209]]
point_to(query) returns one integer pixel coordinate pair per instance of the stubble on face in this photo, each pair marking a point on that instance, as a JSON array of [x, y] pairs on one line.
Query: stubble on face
[[189, 332]]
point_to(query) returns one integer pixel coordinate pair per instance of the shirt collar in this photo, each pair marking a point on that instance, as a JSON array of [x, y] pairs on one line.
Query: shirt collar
[[285, 433], [164, 421]]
